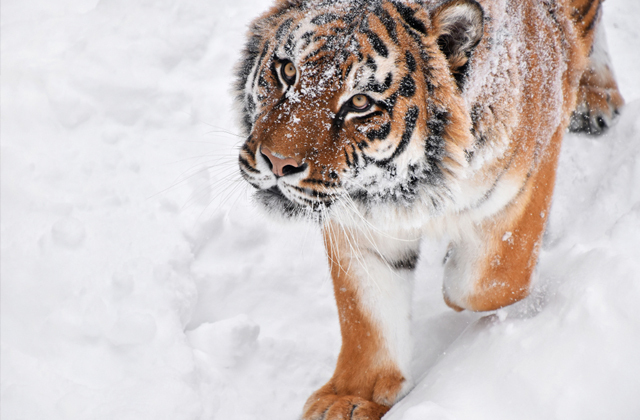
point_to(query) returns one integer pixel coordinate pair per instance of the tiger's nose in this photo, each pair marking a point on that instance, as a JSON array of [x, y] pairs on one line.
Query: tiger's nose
[[282, 166]]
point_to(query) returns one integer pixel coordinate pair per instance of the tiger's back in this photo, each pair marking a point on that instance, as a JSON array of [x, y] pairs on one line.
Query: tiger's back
[[387, 120]]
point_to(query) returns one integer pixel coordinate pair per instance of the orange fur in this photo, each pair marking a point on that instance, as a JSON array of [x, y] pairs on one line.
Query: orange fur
[[505, 274], [372, 390]]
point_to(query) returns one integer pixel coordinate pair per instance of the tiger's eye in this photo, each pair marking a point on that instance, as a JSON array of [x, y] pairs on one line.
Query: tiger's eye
[[289, 72], [360, 101]]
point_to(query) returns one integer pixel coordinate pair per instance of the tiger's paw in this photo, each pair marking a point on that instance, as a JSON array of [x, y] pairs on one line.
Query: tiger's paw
[[342, 407], [328, 404], [597, 108]]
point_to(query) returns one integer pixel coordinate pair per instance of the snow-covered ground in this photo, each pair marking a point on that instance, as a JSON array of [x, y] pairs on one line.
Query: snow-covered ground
[[138, 281]]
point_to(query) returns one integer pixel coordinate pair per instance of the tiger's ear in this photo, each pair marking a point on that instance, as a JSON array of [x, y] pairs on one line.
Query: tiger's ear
[[458, 25]]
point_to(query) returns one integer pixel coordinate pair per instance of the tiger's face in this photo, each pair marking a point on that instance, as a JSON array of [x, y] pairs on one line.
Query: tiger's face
[[353, 105]]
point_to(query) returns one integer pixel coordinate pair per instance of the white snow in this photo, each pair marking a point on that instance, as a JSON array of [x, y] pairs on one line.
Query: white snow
[[139, 282]]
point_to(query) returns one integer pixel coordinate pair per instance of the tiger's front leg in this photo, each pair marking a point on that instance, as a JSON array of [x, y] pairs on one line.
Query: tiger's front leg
[[373, 279]]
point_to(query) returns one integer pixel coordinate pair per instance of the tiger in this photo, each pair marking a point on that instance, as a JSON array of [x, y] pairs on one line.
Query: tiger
[[386, 121]]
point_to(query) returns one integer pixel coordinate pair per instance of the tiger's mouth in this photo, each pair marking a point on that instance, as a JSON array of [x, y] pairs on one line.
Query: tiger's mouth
[[275, 190], [275, 201]]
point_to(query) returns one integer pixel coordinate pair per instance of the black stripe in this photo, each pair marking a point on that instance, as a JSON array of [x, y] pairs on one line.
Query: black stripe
[[245, 148], [389, 103], [288, 46], [274, 72], [346, 156], [409, 262], [251, 105], [579, 13], [380, 134], [371, 63], [411, 61], [389, 24], [354, 156], [374, 86], [262, 82], [350, 16], [260, 61], [476, 113], [265, 49], [324, 18], [316, 52], [247, 122], [410, 119], [408, 15], [338, 121], [438, 122], [388, 80], [328, 39], [247, 166], [377, 44], [310, 191], [306, 37], [596, 18], [316, 204], [435, 144], [348, 69], [407, 87], [250, 53], [424, 56], [322, 182], [283, 28]]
